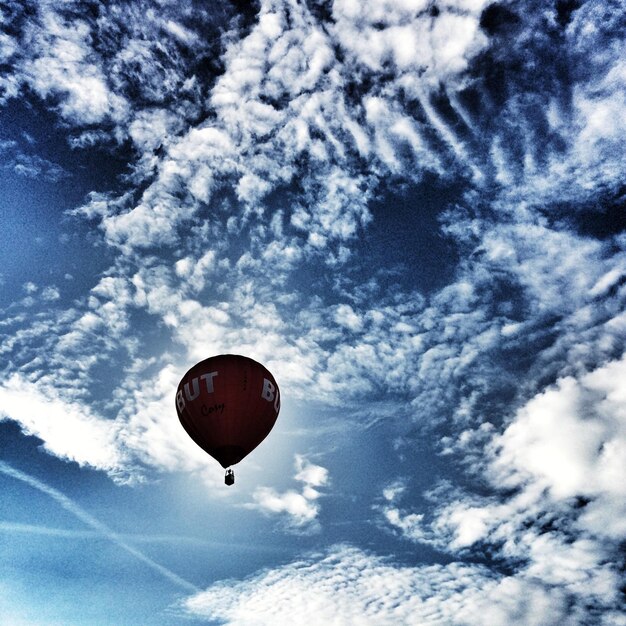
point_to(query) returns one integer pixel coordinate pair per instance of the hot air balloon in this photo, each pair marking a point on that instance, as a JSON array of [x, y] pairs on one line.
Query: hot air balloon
[[228, 404]]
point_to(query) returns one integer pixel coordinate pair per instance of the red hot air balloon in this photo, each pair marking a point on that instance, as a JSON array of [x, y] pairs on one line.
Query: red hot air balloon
[[228, 404]]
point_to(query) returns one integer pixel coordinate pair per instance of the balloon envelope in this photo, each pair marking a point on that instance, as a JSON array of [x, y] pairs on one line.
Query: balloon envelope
[[228, 404]]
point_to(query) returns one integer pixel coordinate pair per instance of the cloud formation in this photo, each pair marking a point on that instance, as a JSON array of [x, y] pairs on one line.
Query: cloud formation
[[306, 110], [349, 586], [554, 475], [300, 508], [263, 150]]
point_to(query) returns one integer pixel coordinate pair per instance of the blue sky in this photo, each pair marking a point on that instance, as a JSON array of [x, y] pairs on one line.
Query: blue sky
[[412, 213]]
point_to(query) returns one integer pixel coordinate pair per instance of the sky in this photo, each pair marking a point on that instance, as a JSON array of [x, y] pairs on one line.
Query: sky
[[412, 213]]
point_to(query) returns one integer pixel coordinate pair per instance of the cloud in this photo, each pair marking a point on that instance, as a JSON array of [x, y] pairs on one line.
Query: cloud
[[178, 540], [69, 430], [571, 440], [116, 420], [444, 351], [411, 36], [106, 70], [264, 150], [102, 529], [150, 428], [266, 124], [554, 474], [549, 137], [349, 586], [241, 227], [406, 85], [50, 294], [299, 508], [29, 165], [62, 65]]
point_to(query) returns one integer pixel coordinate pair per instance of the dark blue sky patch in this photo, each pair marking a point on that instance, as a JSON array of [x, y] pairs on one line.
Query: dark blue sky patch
[[39, 243], [604, 219], [405, 234]]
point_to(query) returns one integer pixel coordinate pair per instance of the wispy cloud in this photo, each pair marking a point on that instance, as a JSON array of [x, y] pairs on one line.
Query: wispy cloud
[[29, 165], [72, 507], [68, 429], [179, 541]]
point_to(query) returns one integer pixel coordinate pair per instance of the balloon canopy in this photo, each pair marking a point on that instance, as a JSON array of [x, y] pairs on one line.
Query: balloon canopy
[[228, 404]]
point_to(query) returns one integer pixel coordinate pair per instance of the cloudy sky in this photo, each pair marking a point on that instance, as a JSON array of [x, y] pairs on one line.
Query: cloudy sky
[[412, 212]]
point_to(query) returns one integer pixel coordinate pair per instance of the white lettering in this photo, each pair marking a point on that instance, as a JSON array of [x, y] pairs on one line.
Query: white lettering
[[209, 381], [277, 402], [268, 390], [196, 389], [180, 401]]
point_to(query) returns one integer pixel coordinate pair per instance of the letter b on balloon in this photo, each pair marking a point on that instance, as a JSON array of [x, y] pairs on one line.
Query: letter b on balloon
[[270, 393]]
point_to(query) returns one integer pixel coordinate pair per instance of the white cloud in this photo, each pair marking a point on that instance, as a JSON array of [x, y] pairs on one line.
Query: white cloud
[[310, 474], [407, 34], [295, 111], [150, 430], [151, 128], [30, 165], [404, 343], [300, 508], [61, 65], [571, 440], [347, 586], [245, 119], [50, 294], [69, 430], [394, 490], [555, 472], [230, 225], [345, 316]]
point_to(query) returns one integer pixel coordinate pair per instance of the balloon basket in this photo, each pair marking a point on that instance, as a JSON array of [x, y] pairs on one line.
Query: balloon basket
[[229, 477]]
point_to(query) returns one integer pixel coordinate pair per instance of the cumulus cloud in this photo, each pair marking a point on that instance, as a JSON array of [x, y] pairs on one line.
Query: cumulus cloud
[[570, 440], [560, 458], [300, 508]]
